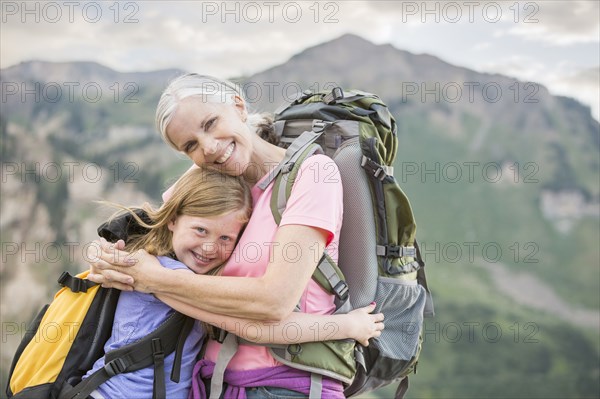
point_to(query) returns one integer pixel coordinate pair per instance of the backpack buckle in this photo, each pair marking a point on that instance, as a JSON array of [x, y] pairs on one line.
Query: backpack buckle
[[303, 96], [220, 338], [319, 126], [341, 290], [63, 278], [157, 349], [78, 285], [287, 168], [115, 366], [393, 251], [294, 352], [373, 167], [336, 94], [75, 284], [409, 251], [396, 251]]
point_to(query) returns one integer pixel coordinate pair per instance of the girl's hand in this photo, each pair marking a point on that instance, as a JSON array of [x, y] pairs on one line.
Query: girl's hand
[[364, 325]]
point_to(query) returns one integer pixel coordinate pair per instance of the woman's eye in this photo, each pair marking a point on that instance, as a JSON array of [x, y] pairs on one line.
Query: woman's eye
[[201, 230], [189, 147], [225, 238], [210, 123]]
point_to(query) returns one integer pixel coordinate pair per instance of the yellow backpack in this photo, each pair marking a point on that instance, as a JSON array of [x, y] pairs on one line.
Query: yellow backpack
[[68, 336]]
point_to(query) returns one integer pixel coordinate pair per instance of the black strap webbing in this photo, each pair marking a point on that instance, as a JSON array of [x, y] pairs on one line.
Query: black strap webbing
[[138, 355], [402, 389], [428, 311], [185, 331], [158, 358], [75, 284]]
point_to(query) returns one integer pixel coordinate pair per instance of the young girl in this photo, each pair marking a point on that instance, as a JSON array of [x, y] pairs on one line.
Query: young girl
[[196, 230]]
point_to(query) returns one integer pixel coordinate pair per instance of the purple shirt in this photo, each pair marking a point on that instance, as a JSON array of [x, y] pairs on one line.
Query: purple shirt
[[280, 377], [137, 315]]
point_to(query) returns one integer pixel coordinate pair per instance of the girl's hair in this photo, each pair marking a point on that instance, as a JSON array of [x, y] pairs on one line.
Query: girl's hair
[[200, 192], [212, 90]]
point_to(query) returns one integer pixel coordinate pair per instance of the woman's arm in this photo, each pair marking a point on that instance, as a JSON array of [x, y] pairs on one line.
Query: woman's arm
[[298, 327], [272, 296]]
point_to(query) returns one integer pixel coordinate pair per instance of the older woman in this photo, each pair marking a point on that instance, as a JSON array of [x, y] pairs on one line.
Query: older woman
[[269, 273]]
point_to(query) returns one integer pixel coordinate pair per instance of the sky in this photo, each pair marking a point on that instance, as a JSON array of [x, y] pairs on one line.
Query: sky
[[555, 43]]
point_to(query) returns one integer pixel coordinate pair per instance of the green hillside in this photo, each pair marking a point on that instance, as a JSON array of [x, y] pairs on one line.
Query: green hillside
[[481, 342]]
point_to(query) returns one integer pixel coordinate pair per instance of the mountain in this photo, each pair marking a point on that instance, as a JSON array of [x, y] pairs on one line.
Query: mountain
[[70, 134], [418, 85], [502, 177], [83, 71], [38, 87]]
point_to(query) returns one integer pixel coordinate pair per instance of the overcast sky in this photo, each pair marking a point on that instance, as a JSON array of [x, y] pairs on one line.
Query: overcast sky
[[556, 43]]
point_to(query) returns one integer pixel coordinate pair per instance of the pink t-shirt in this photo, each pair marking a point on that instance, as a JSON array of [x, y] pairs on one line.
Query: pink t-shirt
[[316, 200]]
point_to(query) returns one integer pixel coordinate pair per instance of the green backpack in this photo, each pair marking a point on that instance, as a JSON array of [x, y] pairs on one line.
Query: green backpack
[[379, 259]]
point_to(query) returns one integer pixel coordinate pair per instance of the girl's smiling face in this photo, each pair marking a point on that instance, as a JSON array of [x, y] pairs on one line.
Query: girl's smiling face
[[203, 243]]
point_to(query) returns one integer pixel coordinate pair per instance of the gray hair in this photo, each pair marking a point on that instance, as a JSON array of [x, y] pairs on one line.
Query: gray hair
[[208, 89]]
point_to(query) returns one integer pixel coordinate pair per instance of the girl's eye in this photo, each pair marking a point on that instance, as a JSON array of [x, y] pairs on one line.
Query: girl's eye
[[201, 230], [225, 238]]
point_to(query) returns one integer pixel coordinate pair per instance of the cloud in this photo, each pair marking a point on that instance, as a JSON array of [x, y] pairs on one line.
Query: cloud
[[586, 77], [560, 23], [555, 22], [240, 38], [482, 46], [224, 38], [585, 83], [521, 66]]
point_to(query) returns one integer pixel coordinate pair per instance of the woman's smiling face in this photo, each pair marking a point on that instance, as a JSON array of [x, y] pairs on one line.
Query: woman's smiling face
[[212, 134]]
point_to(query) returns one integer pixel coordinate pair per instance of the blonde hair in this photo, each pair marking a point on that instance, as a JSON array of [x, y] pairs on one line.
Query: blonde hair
[[212, 90], [200, 192]]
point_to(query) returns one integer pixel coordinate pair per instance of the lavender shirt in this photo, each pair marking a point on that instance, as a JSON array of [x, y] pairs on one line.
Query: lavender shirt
[[137, 315]]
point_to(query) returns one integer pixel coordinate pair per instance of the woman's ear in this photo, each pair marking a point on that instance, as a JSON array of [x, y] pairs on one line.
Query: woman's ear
[[240, 105]]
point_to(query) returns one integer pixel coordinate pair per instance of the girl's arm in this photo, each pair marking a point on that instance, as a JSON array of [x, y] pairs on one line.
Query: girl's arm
[[359, 324]]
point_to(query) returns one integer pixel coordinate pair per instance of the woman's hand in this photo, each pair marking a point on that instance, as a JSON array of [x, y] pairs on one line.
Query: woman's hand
[[113, 267], [364, 325]]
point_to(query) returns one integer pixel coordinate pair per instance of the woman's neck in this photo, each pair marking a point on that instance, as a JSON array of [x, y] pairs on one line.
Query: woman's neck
[[264, 159]]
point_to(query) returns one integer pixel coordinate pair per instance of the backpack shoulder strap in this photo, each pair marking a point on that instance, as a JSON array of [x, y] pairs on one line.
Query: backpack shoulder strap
[[284, 181], [228, 349], [327, 274], [294, 151], [75, 284], [143, 353]]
